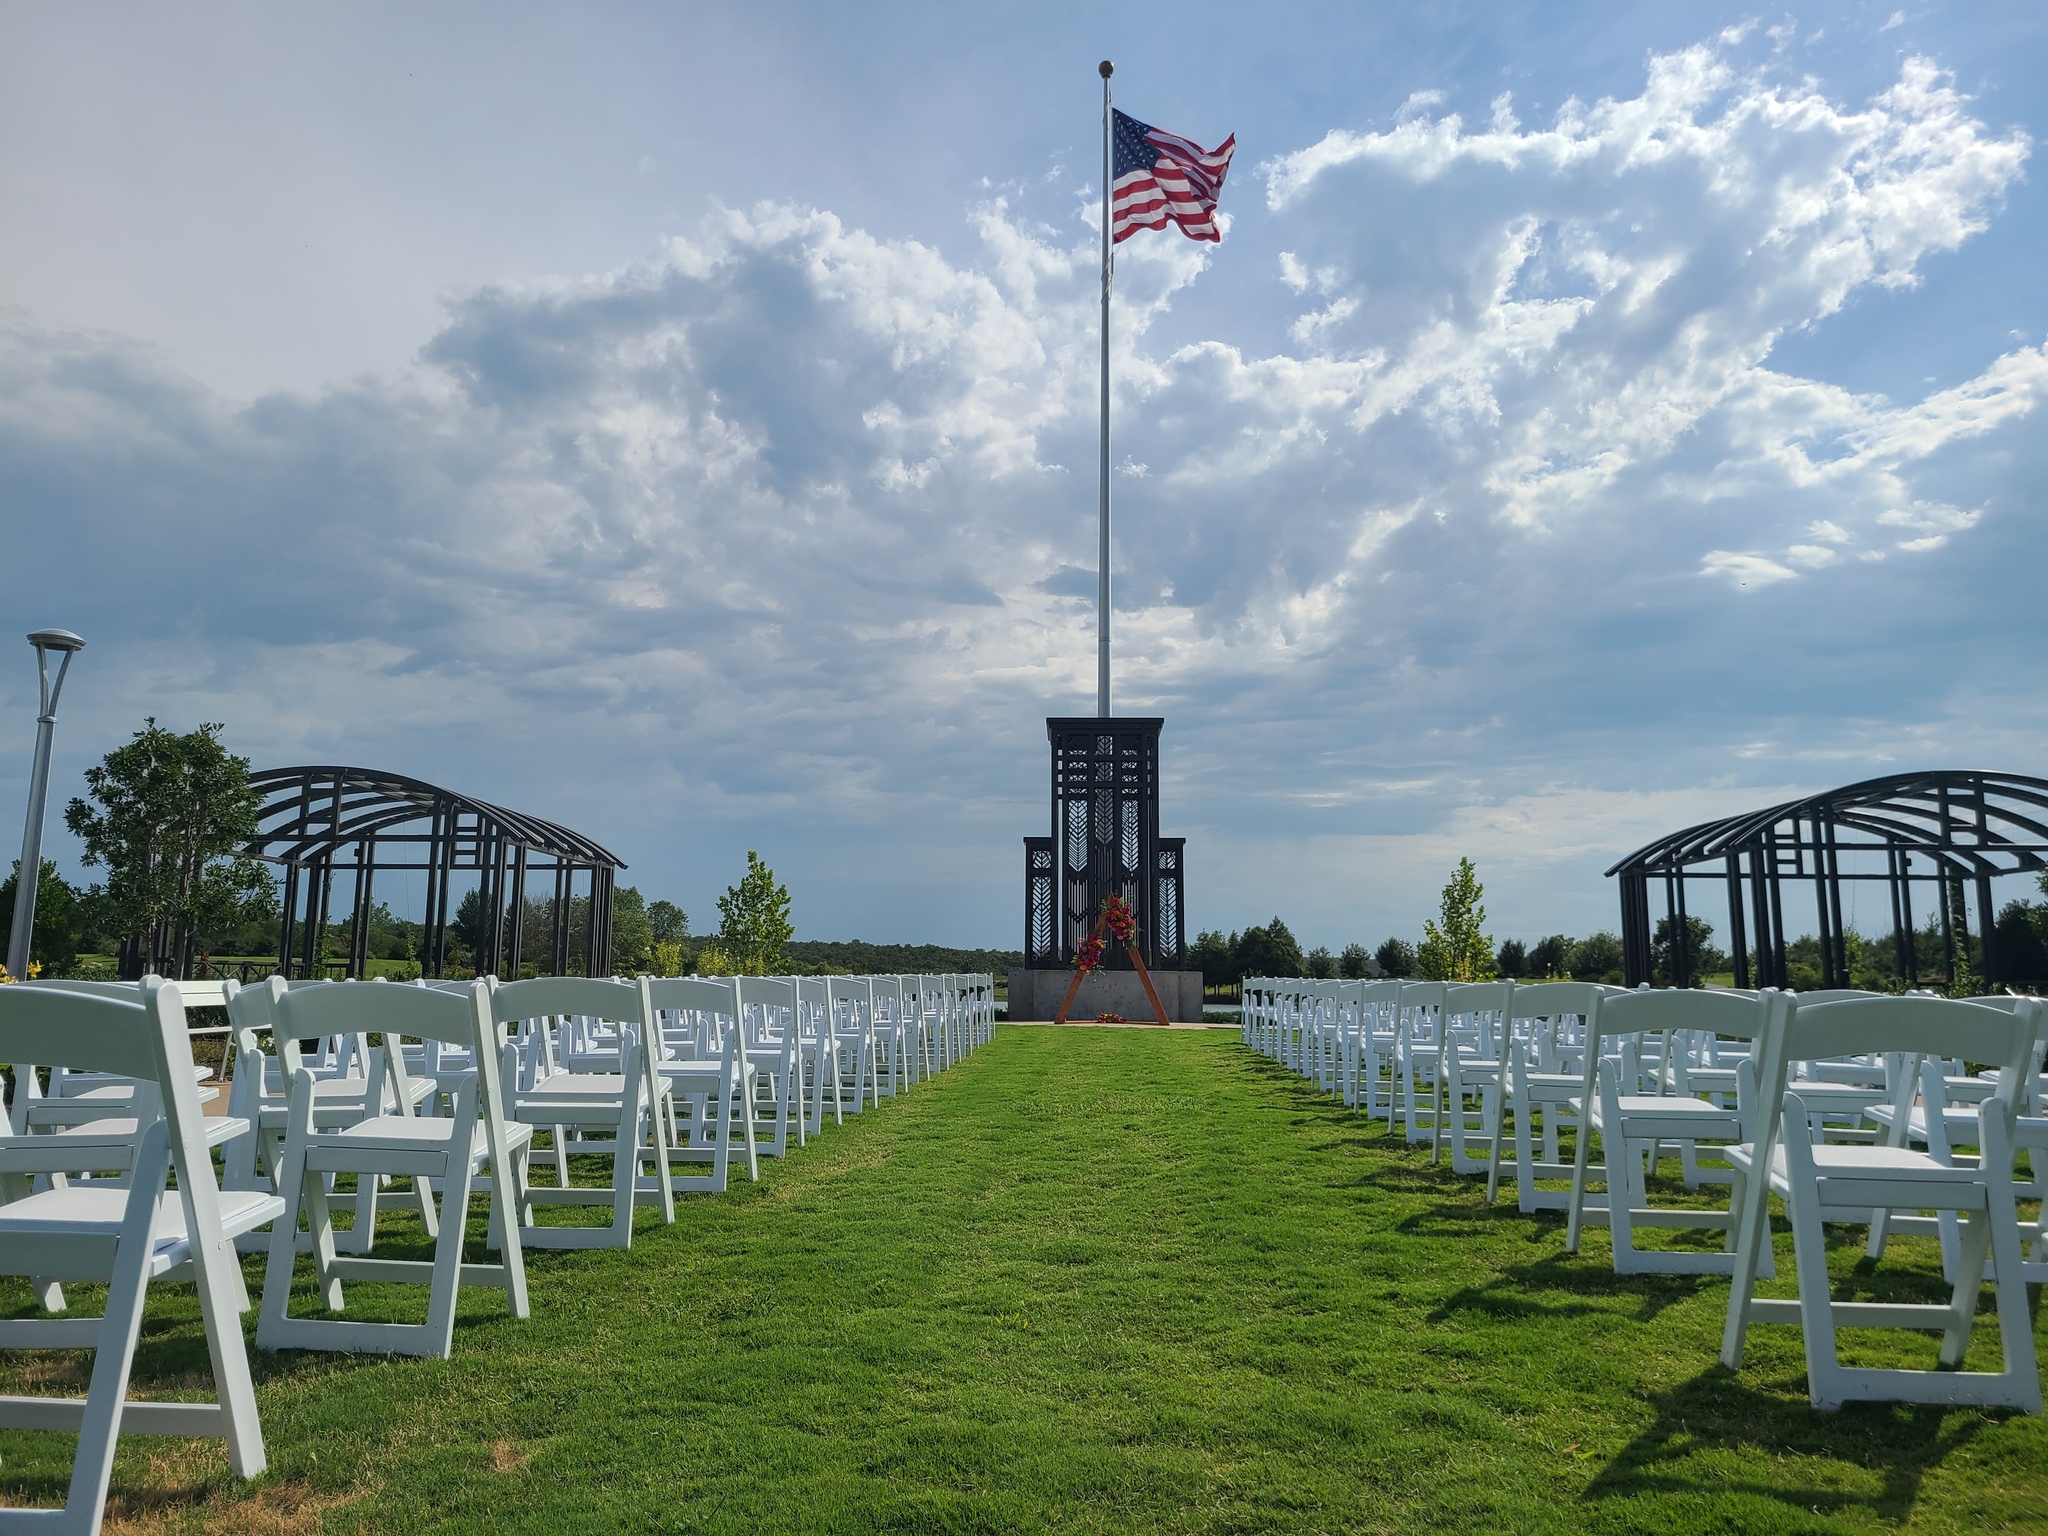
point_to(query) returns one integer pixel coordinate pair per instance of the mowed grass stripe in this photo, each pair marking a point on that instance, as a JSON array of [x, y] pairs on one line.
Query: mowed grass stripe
[[1089, 1280]]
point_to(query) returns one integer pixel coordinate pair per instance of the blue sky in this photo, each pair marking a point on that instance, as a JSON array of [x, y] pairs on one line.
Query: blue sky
[[679, 423]]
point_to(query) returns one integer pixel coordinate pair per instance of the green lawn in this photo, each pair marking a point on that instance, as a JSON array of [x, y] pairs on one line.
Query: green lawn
[[1090, 1280]]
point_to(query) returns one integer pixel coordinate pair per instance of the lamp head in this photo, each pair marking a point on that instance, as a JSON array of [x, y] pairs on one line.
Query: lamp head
[[56, 640], [1105, 69]]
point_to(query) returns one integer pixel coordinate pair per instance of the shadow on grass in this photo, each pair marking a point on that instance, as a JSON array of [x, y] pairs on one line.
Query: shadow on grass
[[1709, 1428], [1558, 1286]]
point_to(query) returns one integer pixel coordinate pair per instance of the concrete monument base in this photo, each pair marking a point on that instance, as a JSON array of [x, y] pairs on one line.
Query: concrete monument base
[[1037, 995]]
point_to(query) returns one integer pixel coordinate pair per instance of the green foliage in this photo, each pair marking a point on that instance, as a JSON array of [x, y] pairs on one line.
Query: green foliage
[[1550, 959], [64, 919], [1457, 948], [1511, 959], [1320, 964], [1396, 957], [1701, 959], [632, 933], [1267, 951], [168, 817], [754, 920], [1211, 955], [1354, 964], [1597, 957], [667, 922]]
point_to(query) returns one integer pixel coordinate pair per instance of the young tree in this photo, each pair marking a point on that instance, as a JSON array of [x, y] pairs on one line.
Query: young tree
[[754, 920], [171, 814], [1354, 964], [1458, 948], [669, 923], [1396, 957]]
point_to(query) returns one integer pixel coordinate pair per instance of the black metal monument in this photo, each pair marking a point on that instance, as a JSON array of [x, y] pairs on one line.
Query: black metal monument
[[1105, 842], [318, 822], [1948, 834]]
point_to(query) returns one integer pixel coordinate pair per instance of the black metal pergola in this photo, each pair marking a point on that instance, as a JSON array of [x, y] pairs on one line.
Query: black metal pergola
[[321, 821], [1951, 830]]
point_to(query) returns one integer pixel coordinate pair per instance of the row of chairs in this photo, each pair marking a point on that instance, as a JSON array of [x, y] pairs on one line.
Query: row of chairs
[[426, 1095], [1904, 1115]]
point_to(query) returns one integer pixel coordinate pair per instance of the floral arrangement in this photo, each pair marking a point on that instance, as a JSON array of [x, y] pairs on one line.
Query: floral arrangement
[[1089, 955], [1119, 919], [1110, 1018]]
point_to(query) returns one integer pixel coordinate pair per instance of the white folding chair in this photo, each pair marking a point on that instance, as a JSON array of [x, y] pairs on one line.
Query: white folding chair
[[768, 1028], [448, 1152], [1547, 1024], [125, 1232], [709, 1082], [1472, 1055], [594, 1113], [1819, 1180], [1633, 1126]]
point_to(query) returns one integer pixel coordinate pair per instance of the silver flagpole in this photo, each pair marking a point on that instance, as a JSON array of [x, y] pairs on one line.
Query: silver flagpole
[[1102, 553]]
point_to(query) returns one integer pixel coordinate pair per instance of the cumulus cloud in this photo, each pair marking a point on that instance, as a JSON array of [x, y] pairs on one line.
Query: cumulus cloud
[[791, 525]]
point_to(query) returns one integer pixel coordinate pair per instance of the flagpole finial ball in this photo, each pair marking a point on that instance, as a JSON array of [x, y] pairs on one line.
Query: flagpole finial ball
[[1105, 69]]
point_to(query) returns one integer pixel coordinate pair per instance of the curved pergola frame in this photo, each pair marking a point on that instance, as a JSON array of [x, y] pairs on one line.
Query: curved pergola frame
[[321, 821], [1964, 829]]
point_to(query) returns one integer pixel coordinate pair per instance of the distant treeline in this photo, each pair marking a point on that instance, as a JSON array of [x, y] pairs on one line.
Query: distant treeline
[[856, 957]]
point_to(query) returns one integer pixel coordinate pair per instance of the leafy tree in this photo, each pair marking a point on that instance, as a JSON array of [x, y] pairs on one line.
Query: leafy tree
[[1354, 964], [171, 814], [754, 920], [1211, 955], [1458, 949], [1550, 957], [632, 932], [62, 916], [1597, 957], [1322, 965], [1267, 951], [2021, 943], [668, 923], [1512, 959], [1396, 957], [1701, 959]]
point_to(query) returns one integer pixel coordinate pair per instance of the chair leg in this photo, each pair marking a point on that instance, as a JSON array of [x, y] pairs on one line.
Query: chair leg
[[92, 1464], [447, 1281]]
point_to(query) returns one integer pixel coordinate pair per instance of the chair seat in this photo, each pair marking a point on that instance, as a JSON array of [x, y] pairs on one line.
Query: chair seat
[[96, 1210], [115, 1131], [577, 1085], [1959, 1121], [398, 1132], [1835, 1160], [1669, 1115]]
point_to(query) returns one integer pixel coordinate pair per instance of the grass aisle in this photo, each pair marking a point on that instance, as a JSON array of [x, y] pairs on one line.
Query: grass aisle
[[1090, 1280]]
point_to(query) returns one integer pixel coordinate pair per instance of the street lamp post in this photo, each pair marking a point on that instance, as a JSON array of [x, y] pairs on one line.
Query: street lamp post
[[30, 874]]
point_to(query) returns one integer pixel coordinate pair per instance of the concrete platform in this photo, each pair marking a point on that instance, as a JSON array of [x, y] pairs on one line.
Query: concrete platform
[[1036, 994]]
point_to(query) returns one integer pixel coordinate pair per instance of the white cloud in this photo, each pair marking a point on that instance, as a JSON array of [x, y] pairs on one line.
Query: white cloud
[[1745, 570]]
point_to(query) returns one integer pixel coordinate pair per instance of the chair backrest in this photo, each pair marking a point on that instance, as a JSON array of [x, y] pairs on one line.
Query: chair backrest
[[690, 994], [771, 995], [1918, 1025], [1557, 999], [461, 1019], [544, 997], [1719, 1013], [1479, 997]]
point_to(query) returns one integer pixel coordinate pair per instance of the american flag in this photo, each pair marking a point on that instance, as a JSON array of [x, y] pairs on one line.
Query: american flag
[[1162, 178]]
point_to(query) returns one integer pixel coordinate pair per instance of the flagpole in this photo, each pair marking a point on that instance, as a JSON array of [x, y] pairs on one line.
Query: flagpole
[[1106, 69]]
